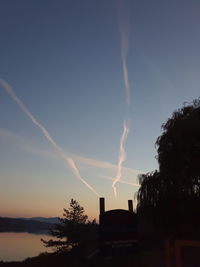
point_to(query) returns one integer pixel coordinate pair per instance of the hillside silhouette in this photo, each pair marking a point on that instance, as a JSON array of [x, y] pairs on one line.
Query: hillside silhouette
[[23, 225]]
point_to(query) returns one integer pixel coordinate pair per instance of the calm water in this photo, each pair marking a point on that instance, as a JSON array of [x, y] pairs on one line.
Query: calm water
[[18, 246]]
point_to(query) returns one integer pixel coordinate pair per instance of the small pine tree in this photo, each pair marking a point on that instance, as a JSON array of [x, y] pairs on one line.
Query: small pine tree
[[70, 231]]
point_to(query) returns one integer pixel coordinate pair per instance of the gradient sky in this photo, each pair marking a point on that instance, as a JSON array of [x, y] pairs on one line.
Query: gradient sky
[[63, 60]]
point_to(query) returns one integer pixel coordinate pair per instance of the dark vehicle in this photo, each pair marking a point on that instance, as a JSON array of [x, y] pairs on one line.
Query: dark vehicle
[[118, 229]]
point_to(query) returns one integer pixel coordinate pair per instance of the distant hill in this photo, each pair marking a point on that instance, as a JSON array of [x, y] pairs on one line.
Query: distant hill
[[53, 220], [24, 225]]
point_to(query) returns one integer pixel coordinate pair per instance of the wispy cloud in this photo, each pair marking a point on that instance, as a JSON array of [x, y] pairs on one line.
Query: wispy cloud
[[8, 135], [102, 164], [28, 145], [120, 181]]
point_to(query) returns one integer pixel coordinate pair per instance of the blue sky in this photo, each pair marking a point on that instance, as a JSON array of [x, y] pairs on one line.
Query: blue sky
[[63, 60]]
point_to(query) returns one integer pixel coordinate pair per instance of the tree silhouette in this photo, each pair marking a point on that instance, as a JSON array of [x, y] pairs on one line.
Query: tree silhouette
[[179, 149], [171, 196], [72, 230]]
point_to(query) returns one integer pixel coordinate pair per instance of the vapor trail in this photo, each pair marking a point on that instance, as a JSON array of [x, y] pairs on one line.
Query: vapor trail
[[124, 34], [77, 174], [120, 181], [122, 157], [21, 105]]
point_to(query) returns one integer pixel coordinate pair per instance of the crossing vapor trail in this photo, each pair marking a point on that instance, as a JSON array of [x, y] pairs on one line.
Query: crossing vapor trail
[[7, 87], [124, 36]]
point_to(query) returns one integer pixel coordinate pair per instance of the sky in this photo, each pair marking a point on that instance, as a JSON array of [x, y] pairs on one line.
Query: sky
[[64, 61]]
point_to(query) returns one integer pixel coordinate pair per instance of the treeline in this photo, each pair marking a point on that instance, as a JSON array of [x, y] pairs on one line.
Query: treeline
[[23, 225]]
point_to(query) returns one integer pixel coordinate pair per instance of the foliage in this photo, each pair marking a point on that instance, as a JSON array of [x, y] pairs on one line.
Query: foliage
[[166, 195], [150, 191], [179, 149], [72, 230]]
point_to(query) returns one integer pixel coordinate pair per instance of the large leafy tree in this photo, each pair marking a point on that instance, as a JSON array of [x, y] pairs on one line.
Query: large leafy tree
[[179, 149], [72, 229], [171, 196]]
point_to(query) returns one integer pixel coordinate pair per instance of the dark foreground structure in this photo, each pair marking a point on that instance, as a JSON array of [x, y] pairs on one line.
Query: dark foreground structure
[[118, 230]]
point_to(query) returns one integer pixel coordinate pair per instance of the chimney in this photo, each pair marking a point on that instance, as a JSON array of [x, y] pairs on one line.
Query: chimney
[[102, 205], [130, 205]]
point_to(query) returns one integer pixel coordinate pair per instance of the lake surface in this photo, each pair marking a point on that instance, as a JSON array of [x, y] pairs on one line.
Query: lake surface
[[19, 246]]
